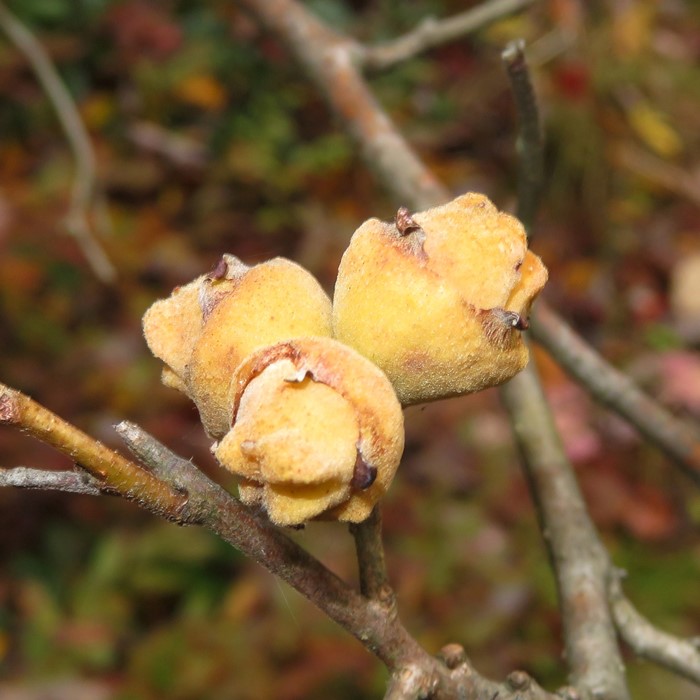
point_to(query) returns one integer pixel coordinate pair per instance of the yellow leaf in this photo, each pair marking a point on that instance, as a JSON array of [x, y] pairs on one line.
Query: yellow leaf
[[97, 110], [202, 90], [631, 28], [650, 125]]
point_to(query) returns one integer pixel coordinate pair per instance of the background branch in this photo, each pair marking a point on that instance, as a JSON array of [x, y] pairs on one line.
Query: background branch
[[529, 145], [678, 655], [591, 643], [432, 32], [579, 560], [617, 391], [84, 190]]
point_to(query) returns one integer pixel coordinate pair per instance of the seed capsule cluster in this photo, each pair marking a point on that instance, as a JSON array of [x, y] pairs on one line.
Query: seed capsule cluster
[[303, 397]]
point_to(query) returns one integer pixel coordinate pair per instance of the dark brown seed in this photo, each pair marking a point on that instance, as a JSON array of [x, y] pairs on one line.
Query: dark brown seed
[[219, 271], [364, 475]]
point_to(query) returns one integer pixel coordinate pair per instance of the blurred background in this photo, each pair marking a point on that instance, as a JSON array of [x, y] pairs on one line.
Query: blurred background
[[208, 139]]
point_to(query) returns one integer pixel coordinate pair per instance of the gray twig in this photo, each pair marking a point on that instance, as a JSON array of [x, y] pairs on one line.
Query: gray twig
[[68, 481], [84, 195], [682, 656], [579, 560], [618, 392], [530, 147], [432, 32]]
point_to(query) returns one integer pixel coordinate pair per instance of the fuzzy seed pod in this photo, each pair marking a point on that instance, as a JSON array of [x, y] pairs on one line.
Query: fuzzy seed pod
[[171, 327], [206, 328], [317, 432], [437, 299]]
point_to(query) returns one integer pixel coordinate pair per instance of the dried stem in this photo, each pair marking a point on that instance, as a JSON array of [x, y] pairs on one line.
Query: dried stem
[[581, 564], [374, 581], [113, 471], [84, 189], [432, 32], [214, 508], [530, 147], [681, 656], [68, 481], [182, 151], [617, 391], [579, 560]]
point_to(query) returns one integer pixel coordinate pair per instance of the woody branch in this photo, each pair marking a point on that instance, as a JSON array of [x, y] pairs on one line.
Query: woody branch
[[175, 489], [309, 40]]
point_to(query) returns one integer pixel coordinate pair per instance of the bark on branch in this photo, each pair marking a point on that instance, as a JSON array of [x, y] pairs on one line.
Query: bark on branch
[[41, 479], [112, 471], [579, 561], [374, 581]]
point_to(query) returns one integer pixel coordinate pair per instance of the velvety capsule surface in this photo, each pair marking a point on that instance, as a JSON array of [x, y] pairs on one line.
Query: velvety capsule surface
[[438, 299], [204, 329], [317, 432]]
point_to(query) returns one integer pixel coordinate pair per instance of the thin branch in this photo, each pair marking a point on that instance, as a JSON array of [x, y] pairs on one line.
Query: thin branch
[[432, 32], [68, 481], [618, 392], [681, 656], [84, 189], [610, 387], [190, 497], [111, 469], [214, 508], [680, 180], [374, 581], [596, 663], [530, 146], [579, 560]]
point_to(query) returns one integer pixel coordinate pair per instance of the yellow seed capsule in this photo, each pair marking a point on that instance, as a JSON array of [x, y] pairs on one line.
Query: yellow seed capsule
[[437, 299], [317, 431], [171, 327], [272, 301], [206, 328]]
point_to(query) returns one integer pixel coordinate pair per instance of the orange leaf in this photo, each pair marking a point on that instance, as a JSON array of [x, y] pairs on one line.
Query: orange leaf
[[203, 91]]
